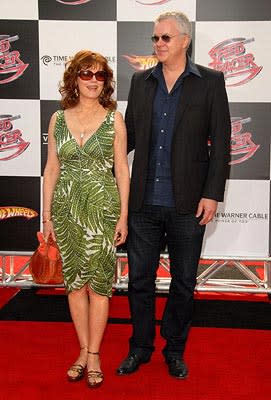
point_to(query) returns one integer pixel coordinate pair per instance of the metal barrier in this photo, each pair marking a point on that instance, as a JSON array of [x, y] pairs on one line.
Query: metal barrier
[[206, 279], [21, 278]]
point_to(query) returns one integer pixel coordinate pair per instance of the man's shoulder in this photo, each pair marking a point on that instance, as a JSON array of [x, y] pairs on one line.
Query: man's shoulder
[[208, 72], [144, 74]]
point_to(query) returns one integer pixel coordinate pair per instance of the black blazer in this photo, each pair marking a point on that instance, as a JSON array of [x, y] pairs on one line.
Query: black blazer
[[202, 114]]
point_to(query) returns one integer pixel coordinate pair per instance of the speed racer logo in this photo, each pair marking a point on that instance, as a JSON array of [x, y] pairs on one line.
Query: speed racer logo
[[141, 62], [152, 2], [242, 145], [73, 2], [11, 65], [15, 211], [231, 57], [11, 142]]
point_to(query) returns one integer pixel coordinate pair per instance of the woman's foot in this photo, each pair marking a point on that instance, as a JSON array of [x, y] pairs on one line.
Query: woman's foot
[[76, 371], [95, 376]]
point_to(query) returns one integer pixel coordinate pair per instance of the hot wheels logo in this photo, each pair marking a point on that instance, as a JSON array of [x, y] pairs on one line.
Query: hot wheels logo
[[73, 2], [15, 211], [11, 141], [141, 62], [241, 142], [231, 58], [10, 62]]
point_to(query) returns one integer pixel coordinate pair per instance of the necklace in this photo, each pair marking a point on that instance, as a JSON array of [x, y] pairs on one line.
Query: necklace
[[87, 128]]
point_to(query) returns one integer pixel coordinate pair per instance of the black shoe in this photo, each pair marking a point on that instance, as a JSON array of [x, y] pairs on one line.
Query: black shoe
[[177, 368], [131, 364]]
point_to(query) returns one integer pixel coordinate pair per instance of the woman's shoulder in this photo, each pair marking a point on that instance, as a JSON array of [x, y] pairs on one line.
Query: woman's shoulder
[[110, 115], [113, 116], [119, 121], [57, 114], [118, 115], [56, 119]]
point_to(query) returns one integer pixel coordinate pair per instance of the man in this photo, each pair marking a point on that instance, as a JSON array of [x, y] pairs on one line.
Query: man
[[173, 110]]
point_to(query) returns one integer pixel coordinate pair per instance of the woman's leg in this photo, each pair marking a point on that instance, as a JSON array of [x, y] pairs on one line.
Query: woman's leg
[[79, 307], [98, 315]]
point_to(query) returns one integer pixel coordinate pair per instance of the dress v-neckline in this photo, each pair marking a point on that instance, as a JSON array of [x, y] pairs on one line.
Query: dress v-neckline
[[93, 134]]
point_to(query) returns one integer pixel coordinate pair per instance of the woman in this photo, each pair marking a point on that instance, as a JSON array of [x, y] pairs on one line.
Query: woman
[[84, 207]]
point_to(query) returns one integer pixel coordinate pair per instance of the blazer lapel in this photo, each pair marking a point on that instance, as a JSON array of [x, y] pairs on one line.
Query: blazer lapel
[[184, 100], [150, 89]]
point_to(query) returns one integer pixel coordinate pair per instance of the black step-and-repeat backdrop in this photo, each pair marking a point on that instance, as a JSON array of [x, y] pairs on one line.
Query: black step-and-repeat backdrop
[[37, 37]]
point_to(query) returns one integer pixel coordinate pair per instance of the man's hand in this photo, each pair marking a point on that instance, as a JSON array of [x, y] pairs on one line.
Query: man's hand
[[206, 208]]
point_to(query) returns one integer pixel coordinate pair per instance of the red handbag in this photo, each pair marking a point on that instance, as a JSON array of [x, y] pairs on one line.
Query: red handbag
[[45, 263]]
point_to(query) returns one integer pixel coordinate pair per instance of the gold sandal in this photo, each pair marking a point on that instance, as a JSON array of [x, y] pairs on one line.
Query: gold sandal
[[94, 378], [78, 369]]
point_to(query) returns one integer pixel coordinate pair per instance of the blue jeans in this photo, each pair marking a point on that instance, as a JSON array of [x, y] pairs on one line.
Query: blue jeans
[[184, 238]]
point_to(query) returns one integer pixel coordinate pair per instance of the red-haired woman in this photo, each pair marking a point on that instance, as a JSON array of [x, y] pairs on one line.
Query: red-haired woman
[[84, 206]]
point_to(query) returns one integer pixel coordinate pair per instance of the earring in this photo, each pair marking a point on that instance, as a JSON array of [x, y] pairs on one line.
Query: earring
[[76, 93]]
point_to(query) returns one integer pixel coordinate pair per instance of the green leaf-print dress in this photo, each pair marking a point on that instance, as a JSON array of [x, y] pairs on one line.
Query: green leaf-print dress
[[86, 207]]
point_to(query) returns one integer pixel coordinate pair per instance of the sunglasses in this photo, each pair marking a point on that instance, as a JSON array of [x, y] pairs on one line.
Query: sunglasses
[[165, 38], [87, 75]]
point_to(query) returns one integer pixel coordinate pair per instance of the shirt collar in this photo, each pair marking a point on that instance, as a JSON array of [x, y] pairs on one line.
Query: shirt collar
[[193, 68], [190, 68]]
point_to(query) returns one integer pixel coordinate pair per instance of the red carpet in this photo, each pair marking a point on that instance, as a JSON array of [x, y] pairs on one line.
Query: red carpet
[[225, 364], [6, 294], [119, 305], [262, 297]]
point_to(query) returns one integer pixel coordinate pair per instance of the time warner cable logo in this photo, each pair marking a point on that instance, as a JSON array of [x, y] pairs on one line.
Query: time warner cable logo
[[61, 60], [46, 59], [57, 60], [231, 57], [11, 65]]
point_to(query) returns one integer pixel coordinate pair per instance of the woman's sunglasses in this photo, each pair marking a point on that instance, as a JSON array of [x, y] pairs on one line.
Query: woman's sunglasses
[[165, 38], [87, 75]]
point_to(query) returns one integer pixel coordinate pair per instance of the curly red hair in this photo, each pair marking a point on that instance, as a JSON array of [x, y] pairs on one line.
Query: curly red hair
[[83, 60]]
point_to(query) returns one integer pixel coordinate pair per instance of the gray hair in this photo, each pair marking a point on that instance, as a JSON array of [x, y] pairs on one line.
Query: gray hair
[[182, 20]]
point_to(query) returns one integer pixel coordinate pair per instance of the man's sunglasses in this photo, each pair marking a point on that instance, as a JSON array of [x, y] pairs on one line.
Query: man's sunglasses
[[87, 75], [165, 38]]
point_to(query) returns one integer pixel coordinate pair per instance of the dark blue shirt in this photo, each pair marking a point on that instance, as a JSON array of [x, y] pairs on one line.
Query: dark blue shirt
[[159, 184]]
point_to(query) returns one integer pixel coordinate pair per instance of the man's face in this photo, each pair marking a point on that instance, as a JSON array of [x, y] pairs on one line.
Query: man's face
[[175, 48]]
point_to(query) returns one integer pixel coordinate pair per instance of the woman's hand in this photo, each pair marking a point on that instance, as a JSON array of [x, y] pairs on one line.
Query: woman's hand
[[121, 232], [48, 229]]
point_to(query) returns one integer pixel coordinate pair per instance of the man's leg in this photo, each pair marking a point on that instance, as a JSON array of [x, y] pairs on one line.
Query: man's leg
[[145, 231], [185, 237]]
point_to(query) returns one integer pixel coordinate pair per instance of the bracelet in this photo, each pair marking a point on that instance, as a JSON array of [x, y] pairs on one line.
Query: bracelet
[[46, 220]]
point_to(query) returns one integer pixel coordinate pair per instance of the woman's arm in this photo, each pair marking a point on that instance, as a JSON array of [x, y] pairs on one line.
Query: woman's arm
[[50, 176], [122, 177]]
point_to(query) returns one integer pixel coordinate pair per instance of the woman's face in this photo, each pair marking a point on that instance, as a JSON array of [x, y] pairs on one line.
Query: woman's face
[[90, 81]]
